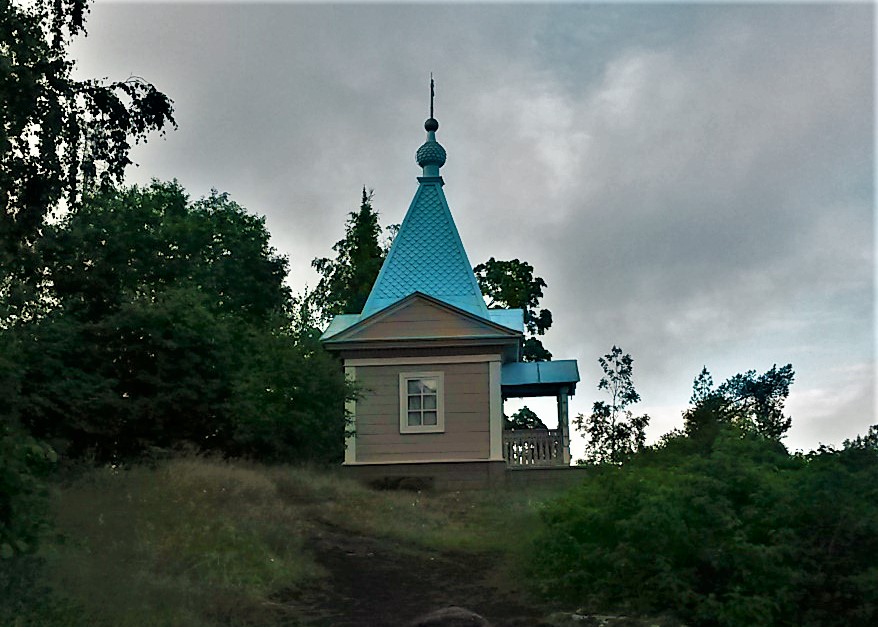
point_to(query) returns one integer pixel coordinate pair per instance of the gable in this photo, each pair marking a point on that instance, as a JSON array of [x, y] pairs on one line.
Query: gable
[[420, 317]]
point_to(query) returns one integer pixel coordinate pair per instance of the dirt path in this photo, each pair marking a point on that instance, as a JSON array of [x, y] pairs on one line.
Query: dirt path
[[376, 582]]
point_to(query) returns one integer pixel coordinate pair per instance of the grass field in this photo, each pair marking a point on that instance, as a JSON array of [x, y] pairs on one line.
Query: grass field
[[197, 541]]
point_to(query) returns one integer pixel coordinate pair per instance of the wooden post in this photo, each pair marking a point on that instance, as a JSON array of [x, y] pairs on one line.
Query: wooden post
[[564, 426]]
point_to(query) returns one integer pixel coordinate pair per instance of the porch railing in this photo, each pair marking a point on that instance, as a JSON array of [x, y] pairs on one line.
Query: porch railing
[[533, 447]]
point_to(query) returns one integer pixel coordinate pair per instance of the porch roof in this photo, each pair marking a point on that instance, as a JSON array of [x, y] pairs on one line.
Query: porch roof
[[539, 378]]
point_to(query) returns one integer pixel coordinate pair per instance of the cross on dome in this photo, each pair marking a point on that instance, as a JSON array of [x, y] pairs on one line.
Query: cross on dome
[[431, 155]]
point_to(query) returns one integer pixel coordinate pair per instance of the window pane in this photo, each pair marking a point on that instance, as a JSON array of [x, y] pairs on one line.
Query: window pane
[[429, 402], [414, 418], [414, 402], [429, 418], [414, 386], [429, 385]]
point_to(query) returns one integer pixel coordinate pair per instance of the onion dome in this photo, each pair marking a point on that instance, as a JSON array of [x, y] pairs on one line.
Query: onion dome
[[431, 155]]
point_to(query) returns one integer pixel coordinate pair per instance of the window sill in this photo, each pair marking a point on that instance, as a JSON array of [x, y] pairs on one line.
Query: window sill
[[417, 430]]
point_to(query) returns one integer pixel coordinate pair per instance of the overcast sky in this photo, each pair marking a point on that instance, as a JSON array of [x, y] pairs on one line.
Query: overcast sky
[[695, 183]]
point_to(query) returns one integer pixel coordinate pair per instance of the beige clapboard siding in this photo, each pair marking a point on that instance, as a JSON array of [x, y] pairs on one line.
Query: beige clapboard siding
[[421, 319], [467, 408], [382, 428], [472, 449], [392, 458], [438, 350], [377, 377], [465, 423]]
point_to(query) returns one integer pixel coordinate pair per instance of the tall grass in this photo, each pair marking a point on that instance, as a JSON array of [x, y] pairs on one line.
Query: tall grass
[[470, 521], [177, 545], [204, 542]]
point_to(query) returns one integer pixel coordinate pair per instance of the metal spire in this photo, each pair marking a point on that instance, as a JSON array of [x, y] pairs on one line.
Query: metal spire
[[431, 156], [431, 125]]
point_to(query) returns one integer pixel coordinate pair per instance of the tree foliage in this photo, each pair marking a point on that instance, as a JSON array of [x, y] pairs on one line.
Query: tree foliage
[[524, 418], [345, 282], [737, 534], [614, 433], [24, 461], [170, 323], [60, 136], [753, 402], [288, 400], [761, 399], [138, 242], [719, 525], [512, 284]]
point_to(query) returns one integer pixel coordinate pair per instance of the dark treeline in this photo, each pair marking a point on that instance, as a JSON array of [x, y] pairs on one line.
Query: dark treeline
[[164, 322], [133, 321], [158, 324]]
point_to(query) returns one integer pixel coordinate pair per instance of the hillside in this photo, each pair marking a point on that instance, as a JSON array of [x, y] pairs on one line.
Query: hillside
[[203, 542], [730, 531]]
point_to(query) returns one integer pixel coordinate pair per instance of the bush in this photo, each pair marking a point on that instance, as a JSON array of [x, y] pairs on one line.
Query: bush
[[743, 534], [832, 506], [24, 521], [23, 515]]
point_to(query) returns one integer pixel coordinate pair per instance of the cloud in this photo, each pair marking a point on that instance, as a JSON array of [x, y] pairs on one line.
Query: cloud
[[840, 406], [693, 182]]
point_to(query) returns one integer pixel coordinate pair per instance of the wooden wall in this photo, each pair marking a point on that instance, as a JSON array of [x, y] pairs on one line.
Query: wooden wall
[[421, 319], [467, 410]]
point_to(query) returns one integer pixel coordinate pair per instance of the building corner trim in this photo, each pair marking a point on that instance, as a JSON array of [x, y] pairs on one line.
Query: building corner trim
[[350, 449], [496, 412]]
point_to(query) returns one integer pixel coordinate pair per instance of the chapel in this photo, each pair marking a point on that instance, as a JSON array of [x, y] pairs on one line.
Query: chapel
[[433, 364]]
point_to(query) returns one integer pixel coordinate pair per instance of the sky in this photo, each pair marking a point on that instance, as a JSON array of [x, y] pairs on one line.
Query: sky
[[694, 182]]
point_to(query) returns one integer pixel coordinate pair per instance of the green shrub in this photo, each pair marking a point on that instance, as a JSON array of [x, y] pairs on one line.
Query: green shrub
[[24, 521], [832, 508], [23, 464], [741, 535]]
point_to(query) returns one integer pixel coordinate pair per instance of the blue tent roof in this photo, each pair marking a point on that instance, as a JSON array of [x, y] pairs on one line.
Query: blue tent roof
[[427, 256]]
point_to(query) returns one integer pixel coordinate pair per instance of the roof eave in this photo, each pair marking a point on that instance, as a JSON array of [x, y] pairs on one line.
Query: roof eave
[[502, 332]]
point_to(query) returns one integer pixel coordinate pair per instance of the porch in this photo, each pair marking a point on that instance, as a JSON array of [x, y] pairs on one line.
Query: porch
[[535, 448], [539, 448]]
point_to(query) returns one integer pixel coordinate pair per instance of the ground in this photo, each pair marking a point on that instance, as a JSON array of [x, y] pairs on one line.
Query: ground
[[377, 581], [205, 543]]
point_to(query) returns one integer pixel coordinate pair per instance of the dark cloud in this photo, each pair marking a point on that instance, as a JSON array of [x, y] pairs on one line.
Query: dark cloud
[[694, 182]]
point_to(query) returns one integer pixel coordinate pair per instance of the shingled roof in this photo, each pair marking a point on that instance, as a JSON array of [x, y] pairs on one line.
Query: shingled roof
[[427, 255]]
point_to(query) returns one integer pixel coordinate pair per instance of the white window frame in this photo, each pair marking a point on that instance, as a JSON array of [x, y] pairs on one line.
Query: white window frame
[[404, 378]]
